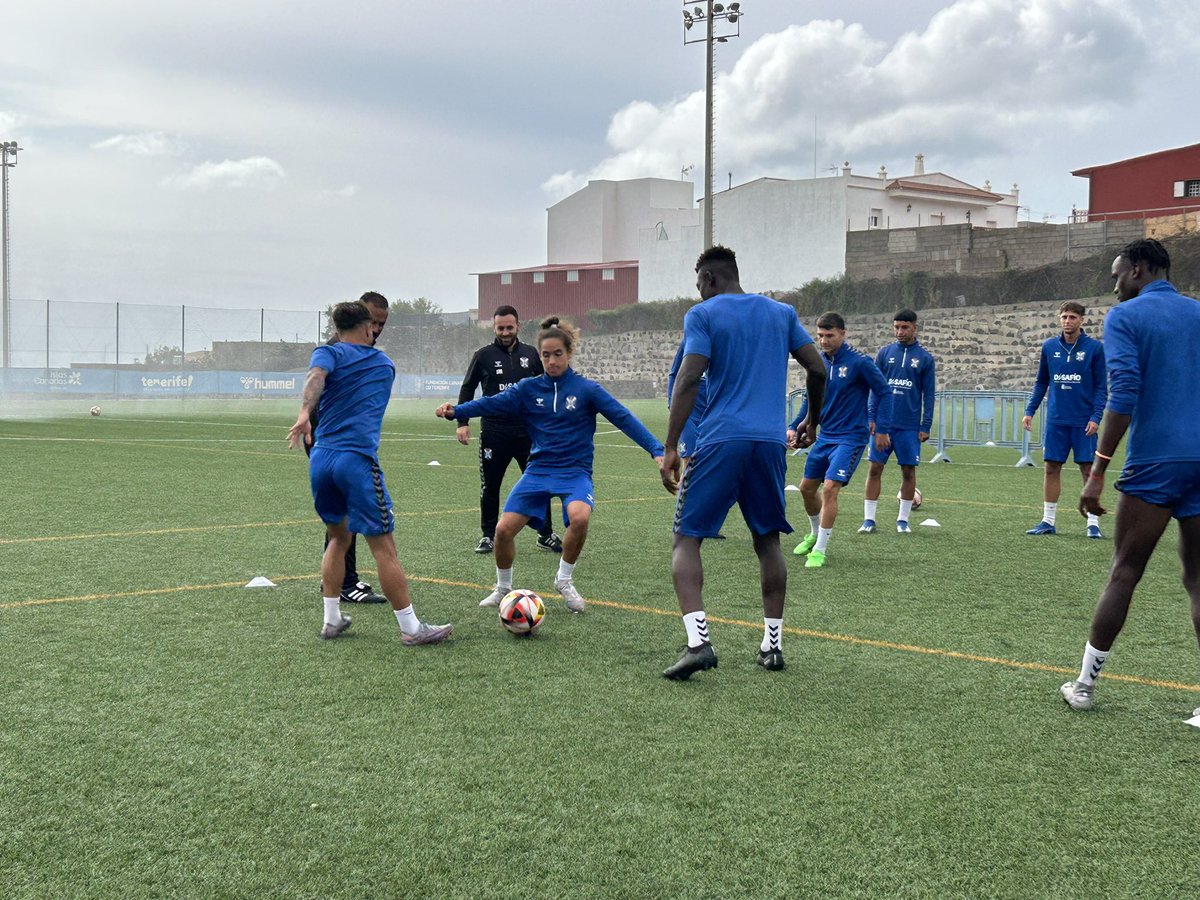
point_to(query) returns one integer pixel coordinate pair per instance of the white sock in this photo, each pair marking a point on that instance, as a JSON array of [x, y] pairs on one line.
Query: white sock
[[822, 539], [772, 634], [1093, 659], [504, 579], [870, 507], [1093, 520], [814, 523], [697, 629], [566, 570], [407, 617], [905, 511], [333, 612], [1049, 512]]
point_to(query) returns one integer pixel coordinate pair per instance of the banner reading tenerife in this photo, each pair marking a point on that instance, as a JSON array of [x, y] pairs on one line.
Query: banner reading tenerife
[[137, 383]]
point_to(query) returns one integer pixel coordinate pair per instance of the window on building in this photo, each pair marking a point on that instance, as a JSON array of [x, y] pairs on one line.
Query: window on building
[[876, 218], [1192, 188], [539, 277], [506, 278], [572, 274], [608, 274]]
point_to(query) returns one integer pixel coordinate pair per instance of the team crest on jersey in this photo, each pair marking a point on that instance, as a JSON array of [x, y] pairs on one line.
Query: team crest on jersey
[[1057, 355], [891, 359], [571, 402], [842, 371], [524, 362], [914, 363], [1080, 355], [682, 448], [539, 401]]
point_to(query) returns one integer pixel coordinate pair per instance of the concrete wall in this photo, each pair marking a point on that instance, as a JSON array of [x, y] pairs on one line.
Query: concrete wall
[[602, 222]]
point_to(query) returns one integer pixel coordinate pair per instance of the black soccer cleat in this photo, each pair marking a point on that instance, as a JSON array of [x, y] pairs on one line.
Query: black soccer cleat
[[485, 545], [692, 660], [361, 592], [551, 542], [771, 659]]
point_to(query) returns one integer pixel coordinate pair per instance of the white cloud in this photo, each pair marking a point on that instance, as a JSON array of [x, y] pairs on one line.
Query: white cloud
[[345, 192], [8, 120], [986, 78], [151, 143], [254, 171]]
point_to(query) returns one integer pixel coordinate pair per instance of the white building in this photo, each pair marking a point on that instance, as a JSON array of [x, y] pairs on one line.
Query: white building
[[786, 231]]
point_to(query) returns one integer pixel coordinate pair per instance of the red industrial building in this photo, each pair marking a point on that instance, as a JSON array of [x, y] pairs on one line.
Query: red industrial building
[[1144, 187], [567, 290]]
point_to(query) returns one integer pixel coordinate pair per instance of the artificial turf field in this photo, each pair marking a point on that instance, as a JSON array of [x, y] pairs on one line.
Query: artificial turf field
[[167, 732]]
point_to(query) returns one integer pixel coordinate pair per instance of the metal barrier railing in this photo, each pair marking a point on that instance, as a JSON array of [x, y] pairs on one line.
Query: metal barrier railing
[[974, 419]]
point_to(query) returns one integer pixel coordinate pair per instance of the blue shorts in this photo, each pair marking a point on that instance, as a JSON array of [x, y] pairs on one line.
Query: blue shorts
[[751, 474], [831, 461], [530, 496], [687, 440], [349, 486], [1062, 440], [1172, 485], [906, 444]]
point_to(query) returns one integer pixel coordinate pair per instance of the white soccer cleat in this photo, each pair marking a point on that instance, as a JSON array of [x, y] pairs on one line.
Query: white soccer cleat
[[494, 598], [1077, 694], [575, 602]]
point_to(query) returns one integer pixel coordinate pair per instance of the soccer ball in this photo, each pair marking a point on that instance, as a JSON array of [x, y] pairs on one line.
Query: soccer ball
[[917, 498], [95, 410], [522, 612]]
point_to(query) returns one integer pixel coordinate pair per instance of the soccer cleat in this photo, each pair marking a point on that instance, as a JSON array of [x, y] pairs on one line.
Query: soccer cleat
[[867, 527], [566, 587], [494, 598], [692, 661], [1042, 528], [902, 527], [771, 659], [803, 548], [1093, 531], [1077, 694], [427, 634], [329, 632], [485, 545], [551, 542], [816, 560], [362, 593]]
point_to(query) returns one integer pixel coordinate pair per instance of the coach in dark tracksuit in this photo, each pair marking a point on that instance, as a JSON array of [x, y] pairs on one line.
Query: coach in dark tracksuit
[[497, 367]]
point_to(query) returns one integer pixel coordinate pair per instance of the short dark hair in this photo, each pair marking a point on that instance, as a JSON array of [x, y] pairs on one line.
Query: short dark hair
[[506, 310], [718, 260], [349, 315], [905, 315], [1073, 306], [1150, 252], [553, 327], [831, 320], [372, 298]]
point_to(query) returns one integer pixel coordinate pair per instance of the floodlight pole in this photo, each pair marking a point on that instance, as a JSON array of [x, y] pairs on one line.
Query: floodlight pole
[[8, 159], [731, 15]]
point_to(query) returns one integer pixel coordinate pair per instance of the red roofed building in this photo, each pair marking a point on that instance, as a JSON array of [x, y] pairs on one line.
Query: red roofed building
[[564, 289], [1156, 184]]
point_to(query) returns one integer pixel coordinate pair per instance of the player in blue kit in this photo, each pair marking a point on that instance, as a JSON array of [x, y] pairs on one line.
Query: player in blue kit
[[911, 375], [743, 342], [348, 385], [689, 439], [559, 409], [1150, 339], [1072, 371], [850, 378]]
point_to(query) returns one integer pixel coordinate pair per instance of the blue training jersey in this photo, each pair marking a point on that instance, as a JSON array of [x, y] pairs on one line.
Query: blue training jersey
[[1074, 377], [911, 375], [689, 441], [560, 414], [747, 339], [357, 388], [1153, 373], [851, 377]]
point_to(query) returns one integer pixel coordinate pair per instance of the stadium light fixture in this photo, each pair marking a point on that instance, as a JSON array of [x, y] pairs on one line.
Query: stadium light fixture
[[8, 159], [728, 17]]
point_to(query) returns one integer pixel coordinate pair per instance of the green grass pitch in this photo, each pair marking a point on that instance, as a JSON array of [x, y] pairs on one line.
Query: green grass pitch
[[168, 733]]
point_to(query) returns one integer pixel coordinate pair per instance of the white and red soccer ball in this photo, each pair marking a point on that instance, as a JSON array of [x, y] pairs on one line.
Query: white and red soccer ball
[[522, 612]]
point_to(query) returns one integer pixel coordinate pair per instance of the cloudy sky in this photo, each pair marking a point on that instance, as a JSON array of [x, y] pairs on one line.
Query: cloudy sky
[[288, 155]]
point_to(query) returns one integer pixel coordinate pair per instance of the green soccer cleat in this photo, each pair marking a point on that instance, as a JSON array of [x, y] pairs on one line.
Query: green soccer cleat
[[803, 548], [816, 560]]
